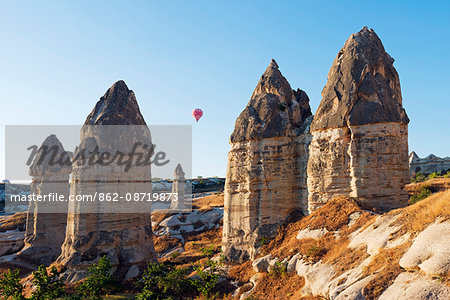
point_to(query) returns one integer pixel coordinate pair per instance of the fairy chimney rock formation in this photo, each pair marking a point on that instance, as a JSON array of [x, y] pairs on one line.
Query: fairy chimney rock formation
[[266, 171], [360, 131], [178, 189], [119, 230], [46, 220]]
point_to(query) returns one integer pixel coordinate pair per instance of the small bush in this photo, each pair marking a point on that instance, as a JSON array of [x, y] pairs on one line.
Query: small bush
[[315, 252], [424, 193], [10, 286], [447, 175], [175, 254], [434, 175], [163, 281], [48, 284], [419, 177], [98, 280], [208, 278], [263, 241], [278, 269], [208, 252]]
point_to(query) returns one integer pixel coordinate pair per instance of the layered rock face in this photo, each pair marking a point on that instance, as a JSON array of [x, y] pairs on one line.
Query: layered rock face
[[429, 164], [359, 142], [93, 230], [266, 171], [178, 189], [46, 220]]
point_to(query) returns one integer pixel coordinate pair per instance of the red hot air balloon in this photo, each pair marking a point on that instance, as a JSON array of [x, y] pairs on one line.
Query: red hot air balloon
[[197, 114]]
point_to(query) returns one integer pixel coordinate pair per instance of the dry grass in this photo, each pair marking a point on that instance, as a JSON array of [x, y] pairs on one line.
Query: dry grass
[[418, 216], [385, 266], [194, 245], [333, 216], [285, 286], [165, 243], [208, 202], [241, 272], [434, 185]]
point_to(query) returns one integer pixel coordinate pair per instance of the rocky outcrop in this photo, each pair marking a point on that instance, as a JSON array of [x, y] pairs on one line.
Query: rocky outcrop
[[178, 189], [266, 172], [428, 165], [46, 220], [359, 142], [119, 230]]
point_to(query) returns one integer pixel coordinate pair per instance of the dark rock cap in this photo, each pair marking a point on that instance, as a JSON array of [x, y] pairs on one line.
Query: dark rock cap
[[363, 86], [118, 106], [274, 110], [273, 82], [51, 159]]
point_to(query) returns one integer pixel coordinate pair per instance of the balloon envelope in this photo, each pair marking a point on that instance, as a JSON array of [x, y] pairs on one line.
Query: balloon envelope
[[197, 113]]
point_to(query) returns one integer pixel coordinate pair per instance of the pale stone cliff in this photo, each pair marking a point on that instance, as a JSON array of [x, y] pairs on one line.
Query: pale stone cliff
[[95, 229], [266, 181], [46, 220], [429, 164], [359, 142]]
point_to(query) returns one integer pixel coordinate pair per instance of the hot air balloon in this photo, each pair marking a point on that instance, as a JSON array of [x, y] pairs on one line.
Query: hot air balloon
[[197, 113]]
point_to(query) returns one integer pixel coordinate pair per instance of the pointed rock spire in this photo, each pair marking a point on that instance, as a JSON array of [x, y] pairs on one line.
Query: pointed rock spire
[[273, 110], [51, 158], [363, 86], [273, 82], [118, 106]]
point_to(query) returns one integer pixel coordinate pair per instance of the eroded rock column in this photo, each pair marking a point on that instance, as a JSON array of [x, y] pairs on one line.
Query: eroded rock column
[[46, 219], [178, 189], [119, 230], [360, 131], [266, 171]]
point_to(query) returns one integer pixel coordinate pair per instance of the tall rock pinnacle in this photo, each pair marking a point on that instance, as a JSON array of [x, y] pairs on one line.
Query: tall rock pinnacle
[[363, 86], [118, 106], [273, 82], [360, 133], [266, 171], [120, 230], [273, 110], [46, 220]]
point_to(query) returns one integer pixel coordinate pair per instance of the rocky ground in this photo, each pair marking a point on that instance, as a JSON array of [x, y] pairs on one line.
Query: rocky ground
[[341, 251]]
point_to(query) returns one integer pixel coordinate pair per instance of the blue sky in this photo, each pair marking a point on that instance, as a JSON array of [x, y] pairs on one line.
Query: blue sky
[[59, 57]]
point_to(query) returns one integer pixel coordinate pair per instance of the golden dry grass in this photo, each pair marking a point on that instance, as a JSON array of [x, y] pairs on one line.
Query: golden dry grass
[[285, 286], [333, 216], [208, 202], [434, 185], [385, 267], [418, 216]]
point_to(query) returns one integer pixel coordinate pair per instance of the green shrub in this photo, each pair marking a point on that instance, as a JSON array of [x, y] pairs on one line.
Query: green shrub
[[424, 193], [175, 254], [163, 281], [208, 252], [434, 175], [263, 241], [447, 175], [98, 280], [208, 274], [10, 286], [315, 252], [48, 284], [278, 269], [419, 177]]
